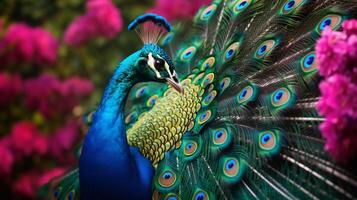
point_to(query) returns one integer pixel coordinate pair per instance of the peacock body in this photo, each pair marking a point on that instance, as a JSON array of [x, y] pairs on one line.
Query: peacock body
[[246, 126]]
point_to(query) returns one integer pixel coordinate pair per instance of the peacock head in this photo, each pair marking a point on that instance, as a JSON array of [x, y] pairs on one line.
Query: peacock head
[[154, 63]]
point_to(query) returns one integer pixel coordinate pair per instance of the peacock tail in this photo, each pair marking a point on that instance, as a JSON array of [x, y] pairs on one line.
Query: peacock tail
[[246, 126]]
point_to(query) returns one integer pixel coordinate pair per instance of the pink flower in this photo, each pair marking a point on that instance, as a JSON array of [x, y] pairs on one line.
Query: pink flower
[[338, 95], [178, 9], [43, 93], [26, 186], [64, 139], [105, 16], [10, 87], [76, 86], [40, 145], [79, 31], [27, 140], [29, 182], [350, 27], [337, 56], [341, 138], [337, 51], [332, 52], [22, 137], [24, 43], [1, 25], [102, 19], [17, 43], [46, 46], [49, 175], [53, 97], [7, 158]]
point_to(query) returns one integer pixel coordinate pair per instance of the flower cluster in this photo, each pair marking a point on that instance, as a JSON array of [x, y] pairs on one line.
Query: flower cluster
[[51, 96], [102, 19], [29, 44], [337, 56], [178, 9], [38, 127], [10, 88], [26, 141], [28, 183]]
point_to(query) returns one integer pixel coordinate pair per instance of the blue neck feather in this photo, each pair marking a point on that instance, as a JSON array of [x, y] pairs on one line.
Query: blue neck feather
[[109, 168]]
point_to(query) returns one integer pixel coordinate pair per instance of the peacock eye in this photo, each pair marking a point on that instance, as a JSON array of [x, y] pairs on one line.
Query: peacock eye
[[142, 62], [159, 64]]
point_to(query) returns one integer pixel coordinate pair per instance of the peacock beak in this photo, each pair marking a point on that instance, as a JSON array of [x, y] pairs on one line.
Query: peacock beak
[[176, 85]]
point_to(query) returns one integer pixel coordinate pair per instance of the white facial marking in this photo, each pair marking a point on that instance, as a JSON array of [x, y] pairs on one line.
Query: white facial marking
[[151, 63], [167, 67]]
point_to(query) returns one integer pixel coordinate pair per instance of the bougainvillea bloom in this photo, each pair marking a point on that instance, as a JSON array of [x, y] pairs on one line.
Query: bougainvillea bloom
[[178, 9], [10, 87], [7, 158], [52, 96], [337, 56], [338, 95], [102, 19], [64, 139], [23, 136], [28, 44]]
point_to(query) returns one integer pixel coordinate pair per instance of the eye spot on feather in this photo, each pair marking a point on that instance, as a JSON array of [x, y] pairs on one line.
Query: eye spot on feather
[[190, 148], [231, 167], [333, 21], [57, 192], [209, 98], [265, 49], [208, 12], [220, 136], [151, 102], [246, 94], [308, 63], [280, 97], [204, 117], [131, 117], [267, 140], [289, 5], [241, 5], [200, 195], [70, 195], [167, 178], [168, 38], [208, 63], [224, 84], [198, 78], [292, 5], [171, 196], [140, 92], [231, 51], [208, 79], [188, 53]]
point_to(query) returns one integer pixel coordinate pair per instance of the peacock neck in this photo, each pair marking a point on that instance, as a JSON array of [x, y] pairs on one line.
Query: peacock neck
[[107, 163], [113, 101]]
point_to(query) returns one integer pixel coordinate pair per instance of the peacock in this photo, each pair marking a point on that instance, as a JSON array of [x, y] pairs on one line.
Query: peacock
[[237, 120]]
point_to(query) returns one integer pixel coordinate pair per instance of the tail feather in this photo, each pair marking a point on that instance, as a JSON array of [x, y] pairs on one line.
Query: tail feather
[[263, 142]]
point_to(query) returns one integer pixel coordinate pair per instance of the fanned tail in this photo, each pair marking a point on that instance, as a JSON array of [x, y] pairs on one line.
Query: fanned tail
[[256, 135]]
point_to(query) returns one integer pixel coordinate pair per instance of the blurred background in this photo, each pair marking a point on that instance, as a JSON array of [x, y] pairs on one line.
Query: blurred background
[[55, 60]]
